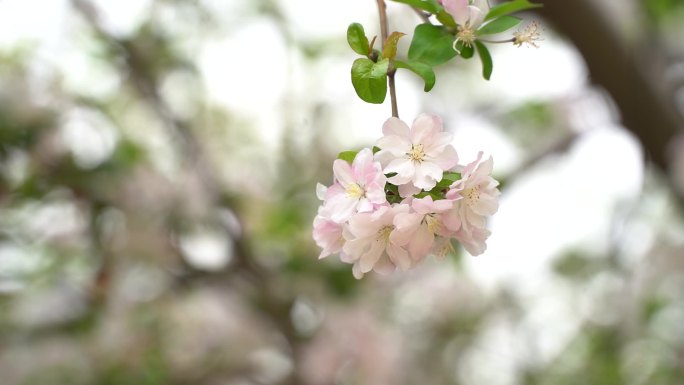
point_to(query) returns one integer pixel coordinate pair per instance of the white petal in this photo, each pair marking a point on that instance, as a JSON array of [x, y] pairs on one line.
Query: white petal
[[397, 145], [403, 167], [356, 271], [475, 17], [320, 191], [427, 175], [342, 207], [447, 159]]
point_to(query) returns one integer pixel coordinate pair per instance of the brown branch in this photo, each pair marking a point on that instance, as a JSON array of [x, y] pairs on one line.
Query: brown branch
[[423, 16], [384, 32]]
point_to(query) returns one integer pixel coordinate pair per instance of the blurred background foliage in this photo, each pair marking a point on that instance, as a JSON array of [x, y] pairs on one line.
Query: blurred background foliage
[[157, 169]]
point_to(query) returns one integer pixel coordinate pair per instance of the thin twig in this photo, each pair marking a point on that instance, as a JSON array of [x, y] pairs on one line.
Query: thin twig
[[423, 16], [384, 32]]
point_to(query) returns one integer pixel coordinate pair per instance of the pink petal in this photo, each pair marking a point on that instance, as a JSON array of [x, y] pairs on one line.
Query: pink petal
[[384, 266], [447, 159], [422, 243], [363, 164], [437, 144], [452, 219], [399, 256], [371, 256], [458, 9], [424, 128], [394, 126], [408, 189], [343, 172]]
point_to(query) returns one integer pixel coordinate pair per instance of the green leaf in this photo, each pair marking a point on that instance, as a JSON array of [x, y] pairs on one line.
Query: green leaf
[[448, 178], [370, 79], [431, 45], [423, 70], [431, 6], [356, 37], [466, 51], [487, 65], [390, 50], [510, 7], [347, 156], [445, 18], [504, 23]]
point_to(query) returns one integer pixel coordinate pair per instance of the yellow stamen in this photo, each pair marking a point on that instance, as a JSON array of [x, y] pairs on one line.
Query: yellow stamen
[[416, 154], [355, 191], [530, 35]]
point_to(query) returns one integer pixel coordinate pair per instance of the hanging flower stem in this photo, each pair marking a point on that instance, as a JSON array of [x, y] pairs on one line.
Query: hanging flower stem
[[384, 32]]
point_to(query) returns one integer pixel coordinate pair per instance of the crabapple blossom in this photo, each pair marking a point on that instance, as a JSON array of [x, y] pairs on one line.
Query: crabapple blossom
[[480, 199], [469, 15], [473, 239], [328, 236], [370, 244], [418, 155], [418, 229], [358, 187], [362, 220]]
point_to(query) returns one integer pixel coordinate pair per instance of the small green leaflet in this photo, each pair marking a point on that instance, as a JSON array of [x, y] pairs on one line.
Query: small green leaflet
[[510, 7], [390, 50], [432, 45], [370, 79], [356, 37], [347, 156], [487, 65], [504, 23], [423, 70]]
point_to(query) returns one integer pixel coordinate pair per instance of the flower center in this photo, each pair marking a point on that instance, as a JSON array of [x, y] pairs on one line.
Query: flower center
[[466, 35], [417, 154], [432, 224], [472, 195], [530, 35], [384, 234], [355, 191]]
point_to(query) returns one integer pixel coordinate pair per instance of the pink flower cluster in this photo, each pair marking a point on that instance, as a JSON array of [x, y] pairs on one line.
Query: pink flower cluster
[[394, 207]]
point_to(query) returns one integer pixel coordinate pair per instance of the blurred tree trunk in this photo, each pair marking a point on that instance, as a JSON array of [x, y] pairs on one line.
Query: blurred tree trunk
[[647, 108]]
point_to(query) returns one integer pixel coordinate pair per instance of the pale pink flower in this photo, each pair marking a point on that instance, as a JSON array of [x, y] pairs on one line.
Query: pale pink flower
[[480, 199], [328, 236], [474, 240], [358, 187], [469, 15], [418, 155], [369, 242], [418, 229]]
